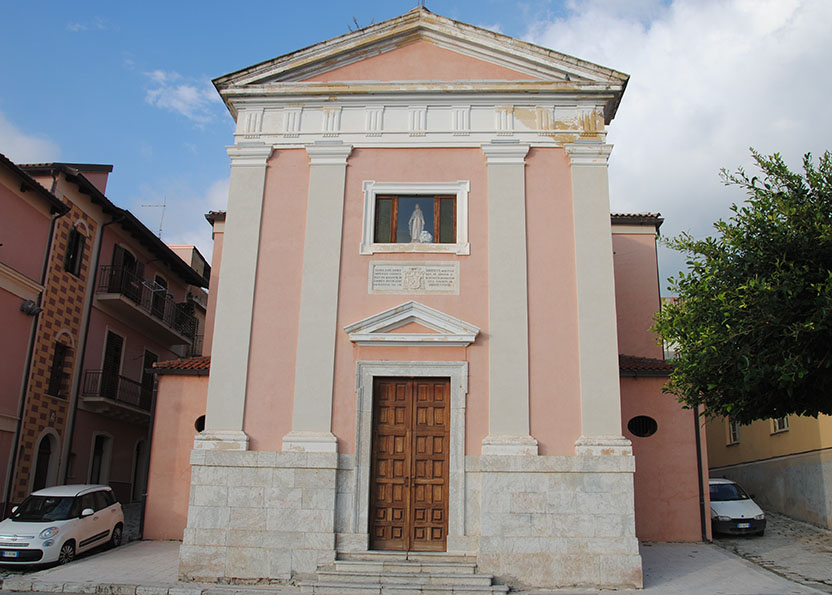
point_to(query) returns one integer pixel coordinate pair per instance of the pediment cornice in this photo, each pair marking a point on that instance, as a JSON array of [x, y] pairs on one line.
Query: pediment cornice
[[548, 70], [380, 328]]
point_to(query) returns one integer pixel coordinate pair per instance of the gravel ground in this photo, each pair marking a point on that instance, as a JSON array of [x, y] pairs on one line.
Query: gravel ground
[[796, 550]]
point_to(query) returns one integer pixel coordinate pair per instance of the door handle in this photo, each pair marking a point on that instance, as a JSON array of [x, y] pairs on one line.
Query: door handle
[[407, 482]]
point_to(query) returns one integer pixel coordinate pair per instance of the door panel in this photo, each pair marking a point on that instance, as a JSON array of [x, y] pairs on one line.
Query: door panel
[[409, 469]]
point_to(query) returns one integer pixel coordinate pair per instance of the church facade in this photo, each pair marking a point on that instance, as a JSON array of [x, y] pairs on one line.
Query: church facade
[[415, 346]]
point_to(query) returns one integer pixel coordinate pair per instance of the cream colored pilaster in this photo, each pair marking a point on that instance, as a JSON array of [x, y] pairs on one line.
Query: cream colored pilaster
[[235, 300], [508, 425], [598, 342], [315, 364]]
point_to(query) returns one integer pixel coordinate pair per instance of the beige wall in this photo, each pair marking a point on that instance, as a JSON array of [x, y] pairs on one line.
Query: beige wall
[[758, 440]]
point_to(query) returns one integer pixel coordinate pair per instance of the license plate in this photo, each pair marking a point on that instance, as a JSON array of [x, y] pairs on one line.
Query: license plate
[[10, 554], [743, 525]]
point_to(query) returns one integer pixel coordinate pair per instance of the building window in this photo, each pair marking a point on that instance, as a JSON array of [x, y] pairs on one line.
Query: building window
[[415, 217], [642, 426], [415, 220], [780, 424], [74, 252], [57, 373], [733, 431]]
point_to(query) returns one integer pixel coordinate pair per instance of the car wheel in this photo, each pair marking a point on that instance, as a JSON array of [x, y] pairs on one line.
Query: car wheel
[[67, 553], [115, 537]]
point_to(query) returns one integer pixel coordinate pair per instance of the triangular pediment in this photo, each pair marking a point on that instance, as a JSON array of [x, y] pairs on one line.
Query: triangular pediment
[[490, 54], [412, 324]]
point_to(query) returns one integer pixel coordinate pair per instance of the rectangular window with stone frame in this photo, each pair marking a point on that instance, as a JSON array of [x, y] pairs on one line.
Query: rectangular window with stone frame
[[421, 219], [779, 424]]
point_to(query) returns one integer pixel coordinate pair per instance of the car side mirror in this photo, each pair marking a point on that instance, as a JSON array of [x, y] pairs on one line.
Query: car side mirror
[[87, 512], [14, 509]]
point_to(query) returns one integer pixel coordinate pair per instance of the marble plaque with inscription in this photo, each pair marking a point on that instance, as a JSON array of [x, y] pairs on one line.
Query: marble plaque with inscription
[[397, 277]]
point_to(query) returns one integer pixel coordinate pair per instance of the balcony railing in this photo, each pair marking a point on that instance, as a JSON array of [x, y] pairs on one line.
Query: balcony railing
[[148, 296], [102, 383]]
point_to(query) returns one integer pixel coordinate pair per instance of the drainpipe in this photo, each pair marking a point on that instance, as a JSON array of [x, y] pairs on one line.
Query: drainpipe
[[82, 350], [702, 511], [11, 472], [149, 449]]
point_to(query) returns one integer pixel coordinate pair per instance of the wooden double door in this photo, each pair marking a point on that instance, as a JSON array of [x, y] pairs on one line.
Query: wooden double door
[[409, 469]]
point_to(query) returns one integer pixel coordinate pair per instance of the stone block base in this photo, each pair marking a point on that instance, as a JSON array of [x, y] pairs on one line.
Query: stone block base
[[549, 522], [258, 516]]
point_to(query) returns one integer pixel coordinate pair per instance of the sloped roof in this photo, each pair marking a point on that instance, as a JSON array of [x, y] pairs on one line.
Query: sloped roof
[[125, 218], [189, 366], [27, 182], [547, 69], [630, 365]]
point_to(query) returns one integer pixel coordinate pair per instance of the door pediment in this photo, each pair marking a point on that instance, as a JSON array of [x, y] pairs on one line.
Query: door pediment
[[396, 326]]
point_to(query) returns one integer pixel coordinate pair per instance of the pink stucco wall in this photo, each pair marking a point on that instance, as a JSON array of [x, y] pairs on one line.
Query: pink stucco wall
[[17, 328], [553, 340], [420, 61], [181, 401], [666, 485], [636, 293], [24, 229]]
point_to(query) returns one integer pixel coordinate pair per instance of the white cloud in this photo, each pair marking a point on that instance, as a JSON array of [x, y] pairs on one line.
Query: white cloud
[[709, 78], [22, 147], [96, 24], [195, 100]]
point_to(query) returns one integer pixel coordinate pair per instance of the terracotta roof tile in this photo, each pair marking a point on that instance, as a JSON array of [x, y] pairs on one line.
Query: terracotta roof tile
[[630, 365], [197, 366]]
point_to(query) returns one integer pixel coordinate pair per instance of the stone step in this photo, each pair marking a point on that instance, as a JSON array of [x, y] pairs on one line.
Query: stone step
[[435, 567], [336, 588], [382, 556], [386, 577]]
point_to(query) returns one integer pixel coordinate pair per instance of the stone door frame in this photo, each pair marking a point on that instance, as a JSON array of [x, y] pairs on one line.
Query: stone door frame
[[457, 373]]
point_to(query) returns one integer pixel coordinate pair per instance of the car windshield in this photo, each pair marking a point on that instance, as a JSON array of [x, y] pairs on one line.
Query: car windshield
[[721, 492], [44, 509]]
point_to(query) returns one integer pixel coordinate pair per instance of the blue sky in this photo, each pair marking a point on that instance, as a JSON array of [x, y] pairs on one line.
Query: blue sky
[[129, 84]]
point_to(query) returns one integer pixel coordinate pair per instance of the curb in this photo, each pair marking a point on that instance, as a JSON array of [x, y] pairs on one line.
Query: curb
[[24, 584]]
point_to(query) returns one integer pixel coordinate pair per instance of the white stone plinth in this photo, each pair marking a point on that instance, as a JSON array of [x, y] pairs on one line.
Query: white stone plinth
[[509, 445], [221, 440], [310, 442]]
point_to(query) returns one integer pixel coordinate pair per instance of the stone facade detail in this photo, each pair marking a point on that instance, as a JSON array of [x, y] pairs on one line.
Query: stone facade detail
[[555, 520], [255, 515]]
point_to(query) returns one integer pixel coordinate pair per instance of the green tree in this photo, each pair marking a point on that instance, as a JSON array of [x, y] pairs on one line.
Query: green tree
[[751, 327]]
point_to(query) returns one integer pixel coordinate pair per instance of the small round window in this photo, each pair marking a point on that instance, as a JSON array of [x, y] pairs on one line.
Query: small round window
[[199, 424], [642, 426]]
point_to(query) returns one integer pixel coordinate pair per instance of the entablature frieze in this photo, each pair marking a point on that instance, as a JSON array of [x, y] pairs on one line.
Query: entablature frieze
[[419, 121]]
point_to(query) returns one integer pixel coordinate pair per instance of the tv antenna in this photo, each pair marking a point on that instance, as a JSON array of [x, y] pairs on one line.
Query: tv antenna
[[162, 206]]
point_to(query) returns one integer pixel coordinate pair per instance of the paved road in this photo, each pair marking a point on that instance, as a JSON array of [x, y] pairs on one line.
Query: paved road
[[796, 550]]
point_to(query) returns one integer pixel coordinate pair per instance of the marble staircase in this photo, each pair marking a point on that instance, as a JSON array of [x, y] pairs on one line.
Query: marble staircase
[[402, 573]]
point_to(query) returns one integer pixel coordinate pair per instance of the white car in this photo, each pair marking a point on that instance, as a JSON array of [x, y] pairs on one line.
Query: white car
[[55, 524], [733, 511]]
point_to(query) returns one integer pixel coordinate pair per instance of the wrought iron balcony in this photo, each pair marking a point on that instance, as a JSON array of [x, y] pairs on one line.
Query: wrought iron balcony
[[141, 301], [115, 395]]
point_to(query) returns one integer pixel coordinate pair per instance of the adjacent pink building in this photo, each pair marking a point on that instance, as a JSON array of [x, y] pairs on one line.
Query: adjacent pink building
[[29, 214], [109, 299], [415, 353]]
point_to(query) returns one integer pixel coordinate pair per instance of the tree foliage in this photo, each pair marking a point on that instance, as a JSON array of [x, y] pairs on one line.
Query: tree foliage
[[751, 327]]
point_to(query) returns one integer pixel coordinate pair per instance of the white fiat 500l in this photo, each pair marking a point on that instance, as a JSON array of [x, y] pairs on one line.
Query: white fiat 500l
[[54, 524]]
